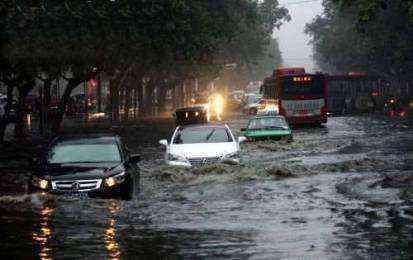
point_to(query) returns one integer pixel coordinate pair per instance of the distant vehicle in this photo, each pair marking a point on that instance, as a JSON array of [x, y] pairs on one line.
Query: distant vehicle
[[195, 145], [237, 95], [200, 101], [252, 102], [267, 107], [191, 115], [87, 165], [234, 100], [302, 97], [267, 127], [394, 108], [213, 104]]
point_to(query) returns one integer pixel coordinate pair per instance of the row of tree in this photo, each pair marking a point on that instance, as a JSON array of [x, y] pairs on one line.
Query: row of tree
[[138, 45], [373, 36]]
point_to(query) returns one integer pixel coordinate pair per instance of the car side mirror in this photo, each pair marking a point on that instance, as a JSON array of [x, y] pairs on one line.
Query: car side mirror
[[242, 139], [163, 142], [134, 158], [243, 129]]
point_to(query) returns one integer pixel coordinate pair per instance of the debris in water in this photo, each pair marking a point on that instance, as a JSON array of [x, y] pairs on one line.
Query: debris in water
[[279, 172]]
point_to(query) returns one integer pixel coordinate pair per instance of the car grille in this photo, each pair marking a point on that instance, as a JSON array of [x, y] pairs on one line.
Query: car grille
[[76, 185], [203, 160]]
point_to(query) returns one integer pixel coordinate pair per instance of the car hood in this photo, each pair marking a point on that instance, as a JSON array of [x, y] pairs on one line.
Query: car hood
[[77, 171], [267, 132], [203, 149]]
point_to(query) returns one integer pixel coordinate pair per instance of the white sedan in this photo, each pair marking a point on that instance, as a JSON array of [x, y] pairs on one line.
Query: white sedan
[[192, 145]]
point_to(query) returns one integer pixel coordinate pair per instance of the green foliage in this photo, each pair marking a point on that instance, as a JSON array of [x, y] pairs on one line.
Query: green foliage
[[371, 36]]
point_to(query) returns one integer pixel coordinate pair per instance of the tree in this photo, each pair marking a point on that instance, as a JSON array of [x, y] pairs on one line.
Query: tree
[[381, 45], [156, 40]]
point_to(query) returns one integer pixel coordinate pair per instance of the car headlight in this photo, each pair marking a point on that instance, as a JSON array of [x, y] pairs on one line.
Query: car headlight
[[175, 157], [115, 179], [40, 183]]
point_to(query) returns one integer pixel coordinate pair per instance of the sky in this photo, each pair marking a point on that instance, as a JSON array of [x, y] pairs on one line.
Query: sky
[[296, 51]]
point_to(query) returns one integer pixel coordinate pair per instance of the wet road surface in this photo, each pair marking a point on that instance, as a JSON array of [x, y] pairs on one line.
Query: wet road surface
[[332, 193]]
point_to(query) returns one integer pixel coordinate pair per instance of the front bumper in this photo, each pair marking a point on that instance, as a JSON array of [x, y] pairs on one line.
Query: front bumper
[[100, 190], [268, 135], [178, 163], [203, 161]]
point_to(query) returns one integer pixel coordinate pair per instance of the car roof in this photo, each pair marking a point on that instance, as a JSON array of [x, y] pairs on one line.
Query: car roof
[[211, 124], [105, 138], [267, 116]]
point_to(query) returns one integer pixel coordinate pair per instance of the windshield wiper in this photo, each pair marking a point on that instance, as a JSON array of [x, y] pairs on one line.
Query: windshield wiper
[[210, 134]]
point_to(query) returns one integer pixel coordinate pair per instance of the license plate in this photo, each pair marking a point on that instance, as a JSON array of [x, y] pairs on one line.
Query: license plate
[[76, 194]]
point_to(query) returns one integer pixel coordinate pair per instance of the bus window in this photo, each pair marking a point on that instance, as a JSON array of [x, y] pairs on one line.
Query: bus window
[[302, 85]]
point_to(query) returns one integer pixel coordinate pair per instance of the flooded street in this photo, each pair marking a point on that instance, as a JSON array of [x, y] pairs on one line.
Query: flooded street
[[337, 191]]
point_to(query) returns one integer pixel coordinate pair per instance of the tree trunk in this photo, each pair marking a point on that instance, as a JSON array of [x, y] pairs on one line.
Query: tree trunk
[[141, 101], [135, 100], [127, 99], [99, 93], [114, 100], [150, 89], [21, 109], [5, 120], [162, 91], [173, 97], [45, 110], [72, 84]]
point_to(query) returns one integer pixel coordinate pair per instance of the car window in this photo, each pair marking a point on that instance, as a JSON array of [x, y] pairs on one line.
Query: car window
[[269, 122], [75, 153], [194, 135]]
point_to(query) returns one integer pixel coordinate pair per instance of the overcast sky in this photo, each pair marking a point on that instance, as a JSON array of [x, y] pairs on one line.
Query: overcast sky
[[292, 39]]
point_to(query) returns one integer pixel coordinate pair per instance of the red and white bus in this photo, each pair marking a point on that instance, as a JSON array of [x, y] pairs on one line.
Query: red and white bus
[[301, 97]]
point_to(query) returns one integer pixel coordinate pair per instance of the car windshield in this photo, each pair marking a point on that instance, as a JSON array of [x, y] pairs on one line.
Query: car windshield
[[69, 152], [267, 123], [193, 135]]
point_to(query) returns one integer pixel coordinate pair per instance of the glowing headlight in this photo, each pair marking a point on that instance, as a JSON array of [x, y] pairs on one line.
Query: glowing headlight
[[115, 180], [40, 183]]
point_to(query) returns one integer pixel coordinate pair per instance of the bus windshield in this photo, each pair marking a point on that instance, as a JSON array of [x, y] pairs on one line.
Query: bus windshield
[[302, 85]]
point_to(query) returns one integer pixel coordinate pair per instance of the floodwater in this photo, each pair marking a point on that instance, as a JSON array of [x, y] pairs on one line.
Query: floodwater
[[336, 192]]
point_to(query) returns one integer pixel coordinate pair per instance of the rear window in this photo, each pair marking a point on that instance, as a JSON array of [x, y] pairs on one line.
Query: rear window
[[193, 135]]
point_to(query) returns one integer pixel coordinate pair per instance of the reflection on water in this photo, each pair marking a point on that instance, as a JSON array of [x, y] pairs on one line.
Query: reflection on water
[[109, 236], [43, 234], [344, 213]]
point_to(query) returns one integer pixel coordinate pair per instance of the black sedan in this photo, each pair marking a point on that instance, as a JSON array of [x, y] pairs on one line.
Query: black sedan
[[87, 165]]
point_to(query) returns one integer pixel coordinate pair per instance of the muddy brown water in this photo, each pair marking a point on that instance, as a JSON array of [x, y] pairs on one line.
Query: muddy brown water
[[322, 196]]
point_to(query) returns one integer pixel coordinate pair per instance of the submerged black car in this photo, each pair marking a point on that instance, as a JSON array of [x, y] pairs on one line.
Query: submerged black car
[[91, 165]]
